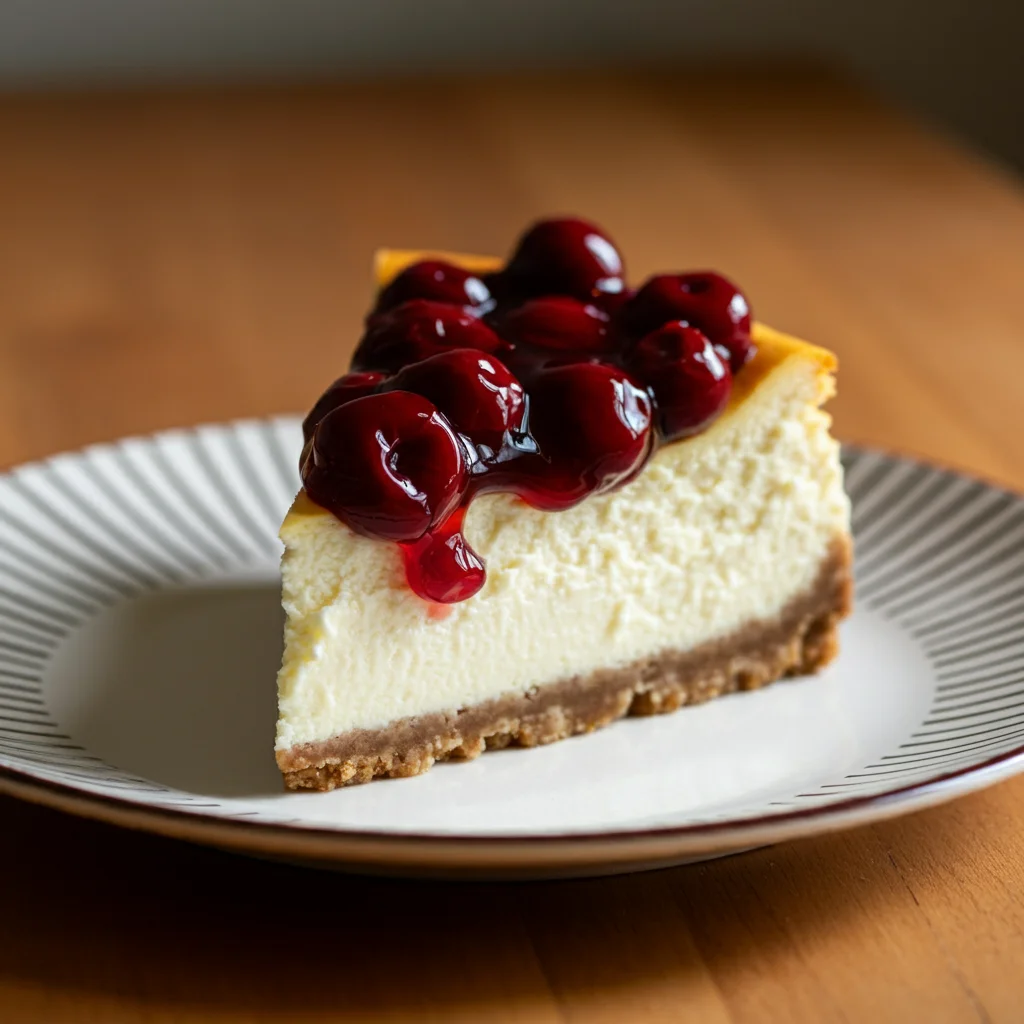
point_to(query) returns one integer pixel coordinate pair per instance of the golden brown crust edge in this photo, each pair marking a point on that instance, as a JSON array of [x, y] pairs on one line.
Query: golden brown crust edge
[[801, 640]]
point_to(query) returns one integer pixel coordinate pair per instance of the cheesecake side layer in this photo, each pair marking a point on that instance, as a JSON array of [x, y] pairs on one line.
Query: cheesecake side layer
[[800, 640], [718, 531]]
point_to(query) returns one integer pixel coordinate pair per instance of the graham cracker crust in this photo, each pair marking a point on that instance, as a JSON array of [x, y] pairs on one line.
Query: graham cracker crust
[[802, 639]]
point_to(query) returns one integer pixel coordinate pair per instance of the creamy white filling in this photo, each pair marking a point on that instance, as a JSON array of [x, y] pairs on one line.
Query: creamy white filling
[[717, 531]]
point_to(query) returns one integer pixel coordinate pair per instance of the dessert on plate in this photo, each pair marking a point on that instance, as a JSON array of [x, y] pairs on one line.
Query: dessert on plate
[[540, 500]]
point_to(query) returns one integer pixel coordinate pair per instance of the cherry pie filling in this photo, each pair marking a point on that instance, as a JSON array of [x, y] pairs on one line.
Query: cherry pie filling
[[549, 379]]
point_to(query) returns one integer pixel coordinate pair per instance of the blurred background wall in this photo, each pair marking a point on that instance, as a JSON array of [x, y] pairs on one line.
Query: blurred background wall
[[958, 62]]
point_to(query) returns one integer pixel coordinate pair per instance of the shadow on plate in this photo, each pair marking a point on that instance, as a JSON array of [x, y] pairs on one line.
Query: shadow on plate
[[180, 687]]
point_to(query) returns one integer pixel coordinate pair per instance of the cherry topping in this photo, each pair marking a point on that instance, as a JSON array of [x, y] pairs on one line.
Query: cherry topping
[[565, 256], [441, 566], [344, 389], [703, 299], [548, 379], [475, 391], [435, 280], [418, 329], [690, 381], [387, 465], [559, 323], [593, 425]]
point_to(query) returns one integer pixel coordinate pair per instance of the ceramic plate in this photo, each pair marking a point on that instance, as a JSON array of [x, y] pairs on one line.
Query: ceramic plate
[[140, 633]]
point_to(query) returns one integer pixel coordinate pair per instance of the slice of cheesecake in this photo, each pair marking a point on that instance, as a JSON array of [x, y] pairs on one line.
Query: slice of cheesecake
[[708, 551]]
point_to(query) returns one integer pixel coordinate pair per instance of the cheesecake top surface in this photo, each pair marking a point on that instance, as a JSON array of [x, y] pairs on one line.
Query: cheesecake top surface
[[544, 376]]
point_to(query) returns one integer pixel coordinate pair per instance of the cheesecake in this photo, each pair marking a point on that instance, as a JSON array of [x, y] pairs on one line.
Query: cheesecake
[[541, 500]]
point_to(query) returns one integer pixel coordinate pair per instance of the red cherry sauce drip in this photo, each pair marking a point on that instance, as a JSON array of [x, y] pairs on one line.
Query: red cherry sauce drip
[[549, 380], [441, 566]]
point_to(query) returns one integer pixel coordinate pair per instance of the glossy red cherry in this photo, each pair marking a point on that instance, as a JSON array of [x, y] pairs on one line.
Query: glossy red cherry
[[690, 381], [476, 392], [593, 425], [559, 323], [435, 280], [565, 256], [388, 465], [703, 299], [611, 305], [417, 330], [344, 389]]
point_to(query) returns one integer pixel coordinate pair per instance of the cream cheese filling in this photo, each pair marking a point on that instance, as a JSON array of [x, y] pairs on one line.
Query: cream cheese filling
[[717, 531]]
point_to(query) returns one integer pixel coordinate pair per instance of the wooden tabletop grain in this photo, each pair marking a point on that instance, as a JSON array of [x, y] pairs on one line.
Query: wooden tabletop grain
[[177, 257]]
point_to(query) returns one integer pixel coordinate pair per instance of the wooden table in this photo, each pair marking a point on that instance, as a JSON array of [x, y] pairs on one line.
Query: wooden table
[[169, 258]]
